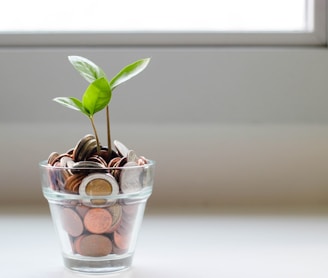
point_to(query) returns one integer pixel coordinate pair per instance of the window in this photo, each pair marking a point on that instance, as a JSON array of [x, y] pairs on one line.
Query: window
[[256, 22]]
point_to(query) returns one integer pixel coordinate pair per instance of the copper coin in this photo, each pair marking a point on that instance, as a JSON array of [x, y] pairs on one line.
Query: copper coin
[[76, 243], [121, 241], [73, 182], [52, 158], [142, 160], [125, 228], [71, 222], [98, 220], [70, 152], [116, 212], [58, 158], [118, 251], [93, 245], [98, 158], [82, 210], [113, 161]]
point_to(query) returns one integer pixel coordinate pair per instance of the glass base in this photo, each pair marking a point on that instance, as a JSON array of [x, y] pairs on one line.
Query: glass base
[[99, 266]]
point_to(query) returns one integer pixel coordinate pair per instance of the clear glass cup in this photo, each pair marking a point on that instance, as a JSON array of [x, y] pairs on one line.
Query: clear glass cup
[[97, 226]]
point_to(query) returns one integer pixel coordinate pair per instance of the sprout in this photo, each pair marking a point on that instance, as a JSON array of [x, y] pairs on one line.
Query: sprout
[[99, 92]]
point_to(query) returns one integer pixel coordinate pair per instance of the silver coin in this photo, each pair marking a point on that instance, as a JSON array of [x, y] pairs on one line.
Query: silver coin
[[121, 148], [132, 156], [80, 145], [66, 161], [88, 164], [130, 177], [88, 149], [87, 167]]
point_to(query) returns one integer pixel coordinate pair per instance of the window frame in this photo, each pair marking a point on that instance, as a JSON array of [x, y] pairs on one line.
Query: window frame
[[315, 37]]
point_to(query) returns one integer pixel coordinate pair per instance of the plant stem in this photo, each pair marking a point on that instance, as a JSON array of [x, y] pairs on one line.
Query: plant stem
[[108, 131], [96, 134]]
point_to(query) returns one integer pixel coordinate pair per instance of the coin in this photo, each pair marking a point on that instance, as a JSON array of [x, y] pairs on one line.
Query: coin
[[113, 161], [71, 222], [116, 166], [87, 167], [80, 146], [97, 220], [70, 151], [97, 158], [73, 182], [52, 176], [93, 245], [82, 210], [132, 156], [142, 161], [121, 241], [52, 158], [121, 148], [88, 149], [98, 184], [130, 177], [129, 214], [61, 176], [66, 161], [106, 154], [116, 212]]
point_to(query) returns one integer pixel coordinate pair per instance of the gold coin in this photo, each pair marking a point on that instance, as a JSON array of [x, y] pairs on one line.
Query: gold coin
[[99, 185]]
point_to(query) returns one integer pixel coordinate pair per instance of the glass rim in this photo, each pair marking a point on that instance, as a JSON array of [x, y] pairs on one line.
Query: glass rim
[[44, 165], [52, 195]]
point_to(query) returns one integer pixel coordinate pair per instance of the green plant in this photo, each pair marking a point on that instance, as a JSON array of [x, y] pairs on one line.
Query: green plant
[[99, 92]]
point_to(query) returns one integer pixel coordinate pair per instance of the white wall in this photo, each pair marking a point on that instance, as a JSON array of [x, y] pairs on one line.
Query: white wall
[[228, 126]]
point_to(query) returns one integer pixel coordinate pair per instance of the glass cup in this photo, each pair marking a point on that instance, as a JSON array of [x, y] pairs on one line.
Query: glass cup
[[97, 213]]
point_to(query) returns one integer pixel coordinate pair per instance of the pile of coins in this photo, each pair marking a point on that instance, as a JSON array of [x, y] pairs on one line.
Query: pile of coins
[[99, 231], [87, 171], [95, 226]]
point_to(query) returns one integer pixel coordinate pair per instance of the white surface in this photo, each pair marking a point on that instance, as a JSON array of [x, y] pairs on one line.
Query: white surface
[[184, 245]]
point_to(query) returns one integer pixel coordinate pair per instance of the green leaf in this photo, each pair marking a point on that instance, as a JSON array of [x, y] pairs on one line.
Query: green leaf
[[72, 103], [88, 69], [97, 96], [128, 72]]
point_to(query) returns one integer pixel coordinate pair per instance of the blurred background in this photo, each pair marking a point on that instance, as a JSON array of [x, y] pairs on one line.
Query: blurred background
[[234, 115]]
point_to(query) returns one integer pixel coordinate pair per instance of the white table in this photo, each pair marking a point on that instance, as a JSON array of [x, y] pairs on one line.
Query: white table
[[224, 245]]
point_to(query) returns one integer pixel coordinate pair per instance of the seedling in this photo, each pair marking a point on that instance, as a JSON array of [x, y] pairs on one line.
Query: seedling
[[98, 94]]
